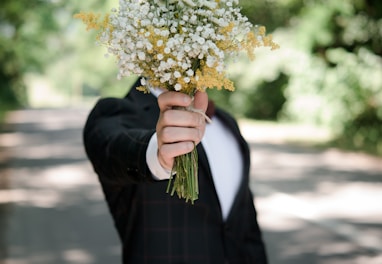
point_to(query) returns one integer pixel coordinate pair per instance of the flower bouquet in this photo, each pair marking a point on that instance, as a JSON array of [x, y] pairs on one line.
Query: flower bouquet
[[178, 45]]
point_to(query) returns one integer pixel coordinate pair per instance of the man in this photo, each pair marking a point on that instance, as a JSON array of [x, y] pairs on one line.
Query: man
[[132, 143]]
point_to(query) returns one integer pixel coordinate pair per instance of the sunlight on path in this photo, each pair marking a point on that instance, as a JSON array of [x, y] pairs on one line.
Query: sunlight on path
[[301, 189], [314, 206], [57, 212]]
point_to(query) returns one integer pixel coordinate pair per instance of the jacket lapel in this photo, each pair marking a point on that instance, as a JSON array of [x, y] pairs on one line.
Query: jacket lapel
[[204, 167]]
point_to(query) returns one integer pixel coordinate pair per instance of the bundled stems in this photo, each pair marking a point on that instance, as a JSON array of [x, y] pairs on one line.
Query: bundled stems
[[184, 177]]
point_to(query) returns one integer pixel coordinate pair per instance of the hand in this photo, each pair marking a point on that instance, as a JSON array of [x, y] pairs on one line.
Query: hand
[[178, 130]]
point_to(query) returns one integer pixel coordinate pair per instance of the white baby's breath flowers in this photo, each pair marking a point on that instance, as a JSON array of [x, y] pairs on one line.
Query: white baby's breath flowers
[[172, 36], [177, 44]]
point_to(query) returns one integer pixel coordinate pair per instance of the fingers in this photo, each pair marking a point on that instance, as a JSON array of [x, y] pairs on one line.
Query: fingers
[[167, 153], [178, 131], [172, 116], [170, 135], [168, 100], [180, 118]]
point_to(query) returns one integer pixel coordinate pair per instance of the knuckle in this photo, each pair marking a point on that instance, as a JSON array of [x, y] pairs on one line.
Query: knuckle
[[165, 153], [166, 134], [161, 152], [199, 120], [196, 135], [167, 117]]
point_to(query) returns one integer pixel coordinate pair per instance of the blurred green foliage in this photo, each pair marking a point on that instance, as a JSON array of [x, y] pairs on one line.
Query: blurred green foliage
[[330, 60], [328, 70], [42, 45]]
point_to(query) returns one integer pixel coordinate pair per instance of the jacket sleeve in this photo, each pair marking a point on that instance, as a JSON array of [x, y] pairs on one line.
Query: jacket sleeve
[[115, 144]]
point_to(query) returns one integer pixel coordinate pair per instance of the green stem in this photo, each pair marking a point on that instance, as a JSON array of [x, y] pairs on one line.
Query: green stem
[[185, 181]]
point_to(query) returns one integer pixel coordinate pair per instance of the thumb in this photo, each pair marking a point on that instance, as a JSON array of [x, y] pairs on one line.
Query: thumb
[[201, 101]]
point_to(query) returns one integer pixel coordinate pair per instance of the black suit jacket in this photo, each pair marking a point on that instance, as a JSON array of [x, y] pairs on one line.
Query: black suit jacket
[[153, 226]]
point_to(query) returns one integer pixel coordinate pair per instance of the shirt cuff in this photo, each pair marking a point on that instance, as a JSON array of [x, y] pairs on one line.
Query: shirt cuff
[[158, 172]]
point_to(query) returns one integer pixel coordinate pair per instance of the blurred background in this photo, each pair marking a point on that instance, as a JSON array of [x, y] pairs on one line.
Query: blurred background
[[311, 110], [327, 73]]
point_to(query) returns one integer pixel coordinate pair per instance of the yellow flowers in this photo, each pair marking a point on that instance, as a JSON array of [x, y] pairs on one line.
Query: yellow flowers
[[92, 21], [89, 19], [211, 78]]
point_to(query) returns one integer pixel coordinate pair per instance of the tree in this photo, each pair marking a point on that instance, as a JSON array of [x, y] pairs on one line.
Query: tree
[[41, 37], [345, 43], [331, 61]]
